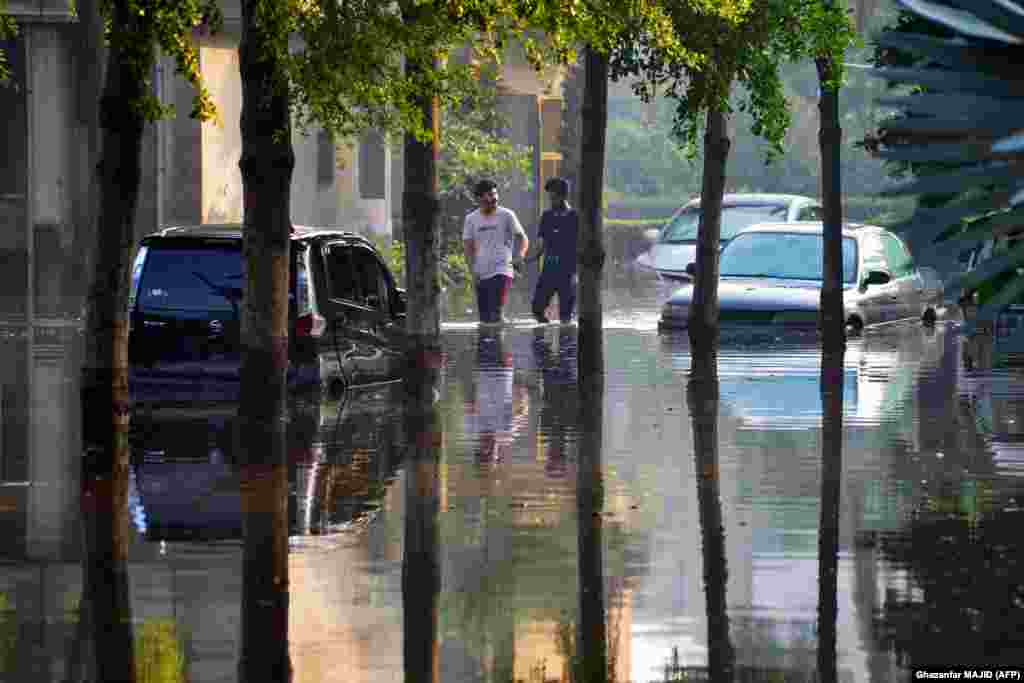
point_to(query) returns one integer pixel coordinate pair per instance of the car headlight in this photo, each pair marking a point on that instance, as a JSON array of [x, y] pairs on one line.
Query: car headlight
[[795, 318]]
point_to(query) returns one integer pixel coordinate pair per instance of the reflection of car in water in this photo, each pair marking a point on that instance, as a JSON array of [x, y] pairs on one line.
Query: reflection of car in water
[[776, 387], [186, 473], [770, 276], [676, 243]]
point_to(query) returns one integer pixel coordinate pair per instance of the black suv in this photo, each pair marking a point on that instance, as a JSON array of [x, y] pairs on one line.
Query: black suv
[[346, 316]]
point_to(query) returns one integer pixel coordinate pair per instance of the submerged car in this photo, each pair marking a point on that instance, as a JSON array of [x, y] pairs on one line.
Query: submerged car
[[771, 275], [346, 316], [676, 243]]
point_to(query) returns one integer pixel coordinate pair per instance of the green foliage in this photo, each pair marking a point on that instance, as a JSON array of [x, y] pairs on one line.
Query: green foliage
[[8, 30], [136, 28], [472, 147], [735, 41], [159, 655]]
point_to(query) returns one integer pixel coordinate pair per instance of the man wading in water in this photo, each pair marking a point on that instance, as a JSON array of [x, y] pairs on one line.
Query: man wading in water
[[557, 234], [492, 238]]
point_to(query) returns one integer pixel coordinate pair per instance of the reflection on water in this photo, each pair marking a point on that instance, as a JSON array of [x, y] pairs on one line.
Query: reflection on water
[[516, 524]]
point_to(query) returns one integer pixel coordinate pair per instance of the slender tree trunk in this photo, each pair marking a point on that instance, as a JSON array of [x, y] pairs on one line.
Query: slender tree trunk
[[104, 389], [703, 319], [592, 631], [421, 565], [702, 396], [833, 325], [421, 222], [591, 244], [266, 164], [828, 531]]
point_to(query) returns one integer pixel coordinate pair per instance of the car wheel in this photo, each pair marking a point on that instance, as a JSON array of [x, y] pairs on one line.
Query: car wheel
[[854, 325], [929, 317]]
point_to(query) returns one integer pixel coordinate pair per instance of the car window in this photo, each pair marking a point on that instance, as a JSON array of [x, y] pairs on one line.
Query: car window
[[900, 262], [301, 294], [196, 279], [783, 255], [342, 282], [811, 213], [133, 292], [372, 281], [683, 226]]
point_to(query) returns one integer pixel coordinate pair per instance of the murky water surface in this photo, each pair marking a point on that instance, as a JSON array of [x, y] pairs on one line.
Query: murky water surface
[[730, 526]]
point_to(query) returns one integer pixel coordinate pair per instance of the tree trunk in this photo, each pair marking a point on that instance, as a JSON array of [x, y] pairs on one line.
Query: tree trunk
[[703, 318], [833, 324], [266, 164], [828, 535], [702, 397], [104, 390], [421, 229], [421, 564], [421, 221], [592, 631], [591, 245]]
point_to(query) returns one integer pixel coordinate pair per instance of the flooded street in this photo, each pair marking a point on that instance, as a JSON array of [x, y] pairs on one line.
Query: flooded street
[[730, 524]]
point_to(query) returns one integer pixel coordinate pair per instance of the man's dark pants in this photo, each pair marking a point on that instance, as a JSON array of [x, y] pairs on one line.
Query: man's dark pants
[[491, 295], [552, 281]]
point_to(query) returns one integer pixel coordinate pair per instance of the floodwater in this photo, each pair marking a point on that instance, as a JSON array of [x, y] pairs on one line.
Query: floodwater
[[736, 524]]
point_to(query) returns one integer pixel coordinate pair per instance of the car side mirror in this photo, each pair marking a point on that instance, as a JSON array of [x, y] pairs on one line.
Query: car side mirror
[[401, 302], [875, 277], [691, 269]]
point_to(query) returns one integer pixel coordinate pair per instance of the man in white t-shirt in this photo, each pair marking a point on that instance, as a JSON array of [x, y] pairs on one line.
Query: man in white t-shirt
[[493, 239]]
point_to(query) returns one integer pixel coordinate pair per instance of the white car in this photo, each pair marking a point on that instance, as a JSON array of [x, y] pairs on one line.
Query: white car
[[676, 243]]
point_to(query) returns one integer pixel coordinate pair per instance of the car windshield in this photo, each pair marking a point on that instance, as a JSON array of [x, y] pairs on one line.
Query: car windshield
[[784, 255], [735, 217], [191, 279]]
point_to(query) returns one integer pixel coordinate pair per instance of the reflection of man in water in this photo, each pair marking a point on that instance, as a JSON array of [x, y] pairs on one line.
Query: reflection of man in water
[[500, 407], [557, 369]]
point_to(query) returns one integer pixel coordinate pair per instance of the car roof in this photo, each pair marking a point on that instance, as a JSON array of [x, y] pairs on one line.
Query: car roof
[[234, 231], [760, 198], [809, 228]]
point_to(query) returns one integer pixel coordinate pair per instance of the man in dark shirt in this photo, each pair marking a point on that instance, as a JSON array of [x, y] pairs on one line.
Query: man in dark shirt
[[557, 236]]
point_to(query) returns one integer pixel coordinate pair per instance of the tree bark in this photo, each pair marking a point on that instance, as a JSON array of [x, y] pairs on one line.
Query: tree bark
[[703, 317], [828, 532], [267, 163], [702, 397], [592, 631], [833, 324], [104, 389], [421, 564], [421, 222], [591, 245]]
